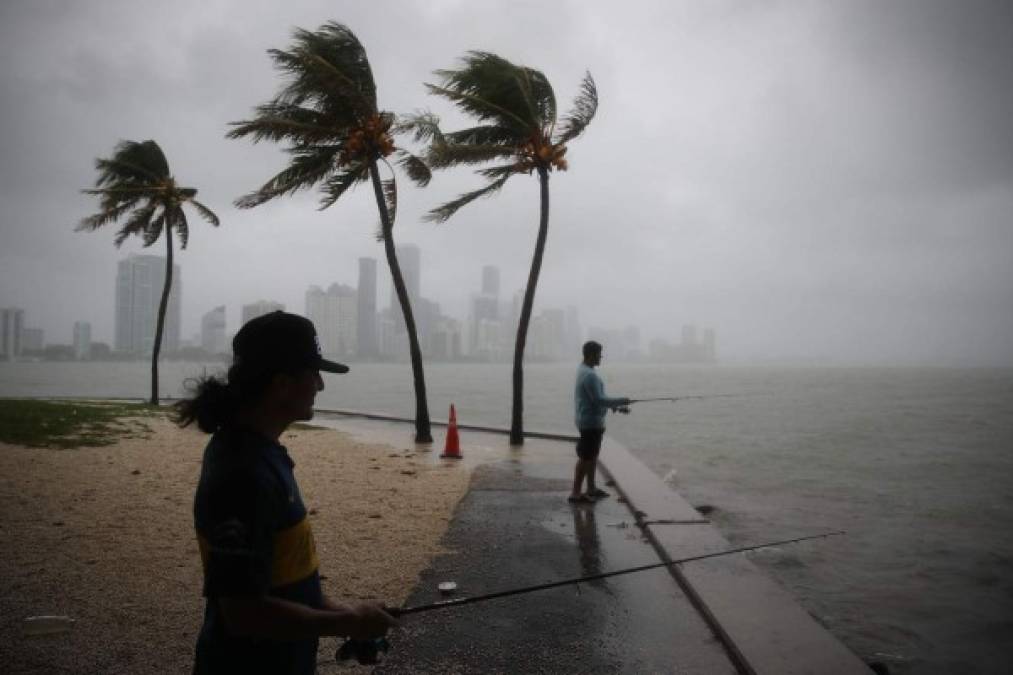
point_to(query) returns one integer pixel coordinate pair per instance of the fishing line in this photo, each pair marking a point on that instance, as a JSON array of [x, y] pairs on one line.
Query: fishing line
[[457, 602]]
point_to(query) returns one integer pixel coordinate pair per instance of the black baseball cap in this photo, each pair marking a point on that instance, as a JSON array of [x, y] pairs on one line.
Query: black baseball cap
[[281, 340]]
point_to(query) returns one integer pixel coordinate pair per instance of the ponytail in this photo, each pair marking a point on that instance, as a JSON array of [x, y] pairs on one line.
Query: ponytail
[[216, 401], [212, 405]]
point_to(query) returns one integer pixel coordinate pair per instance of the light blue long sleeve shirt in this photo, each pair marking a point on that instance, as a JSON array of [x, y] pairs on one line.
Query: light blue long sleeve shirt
[[590, 400]]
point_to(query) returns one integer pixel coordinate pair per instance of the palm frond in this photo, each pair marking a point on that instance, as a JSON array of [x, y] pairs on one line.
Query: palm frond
[[125, 196], [423, 127], [538, 95], [105, 216], [152, 230], [329, 69], [443, 213], [205, 213], [338, 184], [501, 170], [310, 165], [584, 108], [444, 155], [482, 109], [133, 163], [182, 228], [416, 169], [140, 219], [489, 87], [276, 121], [487, 134]]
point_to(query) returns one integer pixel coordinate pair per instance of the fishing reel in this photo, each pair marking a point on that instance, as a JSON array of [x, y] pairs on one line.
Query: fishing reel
[[366, 652], [623, 409]]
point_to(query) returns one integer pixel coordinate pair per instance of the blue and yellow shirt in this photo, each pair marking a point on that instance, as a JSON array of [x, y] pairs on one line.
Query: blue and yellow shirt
[[254, 540]]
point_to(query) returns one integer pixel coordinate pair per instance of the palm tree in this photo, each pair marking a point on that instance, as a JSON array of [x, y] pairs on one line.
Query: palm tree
[[136, 179], [517, 132], [337, 136]]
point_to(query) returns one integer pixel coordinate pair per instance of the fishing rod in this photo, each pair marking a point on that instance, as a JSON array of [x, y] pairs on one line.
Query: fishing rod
[[457, 602], [625, 409], [368, 649], [680, 398]]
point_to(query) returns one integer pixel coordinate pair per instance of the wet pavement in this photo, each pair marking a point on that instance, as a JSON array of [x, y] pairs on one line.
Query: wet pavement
[[515, 528]]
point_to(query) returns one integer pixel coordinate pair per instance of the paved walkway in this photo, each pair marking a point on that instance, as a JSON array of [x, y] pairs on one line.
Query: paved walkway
[[515, 528]]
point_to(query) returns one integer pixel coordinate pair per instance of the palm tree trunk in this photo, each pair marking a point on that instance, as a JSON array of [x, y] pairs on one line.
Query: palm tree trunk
[[517, 416], [160, 324], [423, 433]]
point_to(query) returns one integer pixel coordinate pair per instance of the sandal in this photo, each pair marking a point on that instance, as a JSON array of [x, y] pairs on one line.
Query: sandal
[[598, 494], [579, 499]]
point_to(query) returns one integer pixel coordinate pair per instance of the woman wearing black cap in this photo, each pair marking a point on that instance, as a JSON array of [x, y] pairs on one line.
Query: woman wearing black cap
[[265, 607]]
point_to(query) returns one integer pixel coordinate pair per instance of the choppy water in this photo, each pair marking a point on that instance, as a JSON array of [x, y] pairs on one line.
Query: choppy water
[[917, 466]]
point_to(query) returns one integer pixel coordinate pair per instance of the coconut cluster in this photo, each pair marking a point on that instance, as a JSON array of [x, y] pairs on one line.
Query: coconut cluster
[[369, 140], [540, 152]]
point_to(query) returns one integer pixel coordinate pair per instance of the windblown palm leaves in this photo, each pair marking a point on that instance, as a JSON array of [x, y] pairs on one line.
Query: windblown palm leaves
[[137, 180], [136, 184], [517, 132], [327, 113]]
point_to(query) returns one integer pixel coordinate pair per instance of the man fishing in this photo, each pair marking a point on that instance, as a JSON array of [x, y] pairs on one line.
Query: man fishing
[[591, 405]]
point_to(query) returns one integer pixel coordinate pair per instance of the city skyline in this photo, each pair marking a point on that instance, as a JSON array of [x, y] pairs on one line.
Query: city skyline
[[820, 182], [485, 333]]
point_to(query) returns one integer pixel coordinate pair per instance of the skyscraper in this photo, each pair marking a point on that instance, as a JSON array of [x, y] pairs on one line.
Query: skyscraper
[[33, 340], [490, 281], [368, 339], [82, 340], [334, 314], [212, 331], [139, 283], [260, 308], [485, 329], [12, 322]]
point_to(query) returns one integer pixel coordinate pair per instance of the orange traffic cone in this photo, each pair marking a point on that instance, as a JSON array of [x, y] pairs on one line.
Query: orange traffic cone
[[452, 448]]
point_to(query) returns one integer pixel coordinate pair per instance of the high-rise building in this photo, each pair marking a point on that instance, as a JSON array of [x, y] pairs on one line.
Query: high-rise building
[[33, 340], [367, 335], [212, 331], [334, 312], [260, 308], [445, 341], [688, 335], [139, 283], [710, 348], [490, 281], [12, 323], [82, 340], [547, 335], [485, 338]]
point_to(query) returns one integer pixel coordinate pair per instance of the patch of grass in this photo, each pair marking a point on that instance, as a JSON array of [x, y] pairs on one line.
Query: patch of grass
[[70, 424]]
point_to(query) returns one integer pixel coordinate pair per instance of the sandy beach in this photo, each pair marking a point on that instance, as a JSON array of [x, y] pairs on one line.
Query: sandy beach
[[105, 535]]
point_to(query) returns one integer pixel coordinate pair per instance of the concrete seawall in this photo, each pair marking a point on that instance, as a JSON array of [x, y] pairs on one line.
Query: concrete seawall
[[758, 620]]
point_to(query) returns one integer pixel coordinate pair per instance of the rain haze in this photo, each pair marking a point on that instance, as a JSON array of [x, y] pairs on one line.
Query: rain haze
[[818, 182]]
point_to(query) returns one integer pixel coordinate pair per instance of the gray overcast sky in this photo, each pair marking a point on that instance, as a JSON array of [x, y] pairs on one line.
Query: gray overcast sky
[[828, 181]]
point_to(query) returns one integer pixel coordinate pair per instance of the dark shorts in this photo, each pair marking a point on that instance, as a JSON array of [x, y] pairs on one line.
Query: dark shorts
[[589, 444]]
